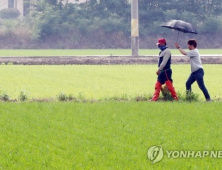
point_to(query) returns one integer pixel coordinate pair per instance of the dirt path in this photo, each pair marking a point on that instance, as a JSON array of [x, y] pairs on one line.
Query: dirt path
[[100, 60]]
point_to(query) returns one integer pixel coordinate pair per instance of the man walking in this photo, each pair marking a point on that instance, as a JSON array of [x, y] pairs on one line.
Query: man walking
[[164, 71], [197, 72]]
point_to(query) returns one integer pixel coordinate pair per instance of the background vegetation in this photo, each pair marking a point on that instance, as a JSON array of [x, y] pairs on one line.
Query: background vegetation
[[106, 24]]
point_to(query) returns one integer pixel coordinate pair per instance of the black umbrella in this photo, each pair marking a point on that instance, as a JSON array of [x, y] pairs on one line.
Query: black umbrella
[[180, 26]]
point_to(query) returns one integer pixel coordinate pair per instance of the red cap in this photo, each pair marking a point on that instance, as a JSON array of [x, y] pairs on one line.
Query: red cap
[[161, 41]]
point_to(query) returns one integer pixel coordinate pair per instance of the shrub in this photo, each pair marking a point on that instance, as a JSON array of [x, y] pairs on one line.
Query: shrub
[[5, 97], [10, 63], [62, 97], [23, 96], [188, 97], [10, 13], [71, 97]]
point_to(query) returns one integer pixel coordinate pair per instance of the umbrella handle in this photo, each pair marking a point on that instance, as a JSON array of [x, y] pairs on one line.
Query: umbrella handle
[[178, 35]]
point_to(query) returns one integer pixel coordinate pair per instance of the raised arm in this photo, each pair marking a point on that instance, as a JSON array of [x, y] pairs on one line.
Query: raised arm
[[180, 49]]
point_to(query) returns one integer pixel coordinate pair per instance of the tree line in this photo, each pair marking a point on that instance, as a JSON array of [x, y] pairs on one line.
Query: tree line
[[105, 24]]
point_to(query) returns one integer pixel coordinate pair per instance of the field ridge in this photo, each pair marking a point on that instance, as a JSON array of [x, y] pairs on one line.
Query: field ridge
[[101, 60]]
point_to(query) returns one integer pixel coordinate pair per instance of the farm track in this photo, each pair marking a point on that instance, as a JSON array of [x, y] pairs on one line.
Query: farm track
[[101, 60]]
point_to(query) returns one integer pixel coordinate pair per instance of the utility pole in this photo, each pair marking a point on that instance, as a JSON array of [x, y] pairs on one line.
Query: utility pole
[[134, 28]]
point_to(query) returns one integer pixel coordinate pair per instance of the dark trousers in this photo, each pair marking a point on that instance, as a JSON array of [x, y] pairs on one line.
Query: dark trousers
[[164, 76], [198, 76]]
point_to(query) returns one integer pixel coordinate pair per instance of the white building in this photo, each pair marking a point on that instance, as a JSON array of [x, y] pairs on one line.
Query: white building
[[75, 1], [18, 4]]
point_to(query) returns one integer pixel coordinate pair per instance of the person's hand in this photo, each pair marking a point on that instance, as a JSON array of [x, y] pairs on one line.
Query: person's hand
[[177, 45], [158, 72]]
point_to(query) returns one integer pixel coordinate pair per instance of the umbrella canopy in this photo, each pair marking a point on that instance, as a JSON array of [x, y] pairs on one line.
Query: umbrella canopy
[[181, 26]]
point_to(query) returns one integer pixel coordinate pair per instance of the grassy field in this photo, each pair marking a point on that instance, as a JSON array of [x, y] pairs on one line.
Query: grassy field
[[83, 52], [107, 135], [104, 135], [98, 82]]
